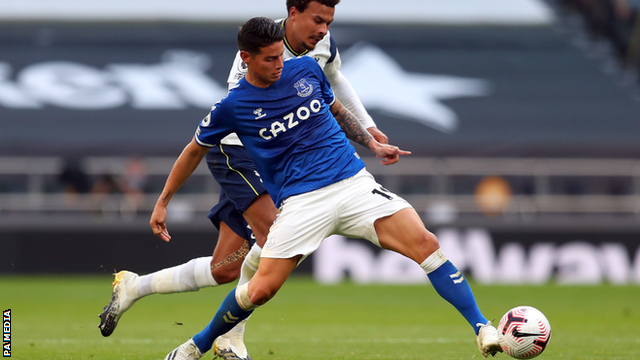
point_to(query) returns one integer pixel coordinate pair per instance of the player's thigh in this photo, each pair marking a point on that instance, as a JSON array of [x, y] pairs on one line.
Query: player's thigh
[[405, 233], [362, 201], [305, 220], [234, 169], [372, 212], [260, 215]]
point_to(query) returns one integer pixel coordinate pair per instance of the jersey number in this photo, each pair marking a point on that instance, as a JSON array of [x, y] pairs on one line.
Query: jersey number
[[381, 193]]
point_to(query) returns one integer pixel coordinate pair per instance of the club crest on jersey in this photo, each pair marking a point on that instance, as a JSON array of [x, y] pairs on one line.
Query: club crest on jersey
[[303, 87]]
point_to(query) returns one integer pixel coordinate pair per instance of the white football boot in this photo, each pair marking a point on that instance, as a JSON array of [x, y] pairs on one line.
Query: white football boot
[[186, 351], [123, 295], [230, 346], [488, 343]]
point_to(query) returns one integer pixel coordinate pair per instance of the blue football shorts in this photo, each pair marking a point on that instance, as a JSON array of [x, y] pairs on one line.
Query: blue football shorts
[[240, 184], [225, 211]]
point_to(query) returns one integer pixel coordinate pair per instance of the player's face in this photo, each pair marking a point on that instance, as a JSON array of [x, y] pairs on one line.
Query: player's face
[[265, 68], [309, 27]]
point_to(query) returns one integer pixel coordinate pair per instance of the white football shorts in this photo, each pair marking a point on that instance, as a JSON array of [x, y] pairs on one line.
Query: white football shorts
[[349, 208]]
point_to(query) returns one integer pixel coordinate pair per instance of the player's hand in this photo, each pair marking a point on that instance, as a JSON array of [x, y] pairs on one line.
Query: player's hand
[[157, 222], [390, 154], [378, 135]]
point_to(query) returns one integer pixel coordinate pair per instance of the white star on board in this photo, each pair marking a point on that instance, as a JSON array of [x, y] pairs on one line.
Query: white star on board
[[383, 85]]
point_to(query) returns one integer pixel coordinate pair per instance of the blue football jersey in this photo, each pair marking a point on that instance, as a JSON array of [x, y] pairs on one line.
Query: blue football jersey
[[288, 129]]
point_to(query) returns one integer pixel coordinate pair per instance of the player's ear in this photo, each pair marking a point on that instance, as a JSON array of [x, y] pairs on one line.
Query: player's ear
[[293, 11], [245, 56]]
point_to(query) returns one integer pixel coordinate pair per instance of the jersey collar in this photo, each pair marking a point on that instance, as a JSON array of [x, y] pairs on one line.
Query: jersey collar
[[286, 42]]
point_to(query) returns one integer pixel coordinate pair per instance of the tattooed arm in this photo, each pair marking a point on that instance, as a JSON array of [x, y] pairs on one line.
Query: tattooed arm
[[184, 166], [350, 125], [356, 132]]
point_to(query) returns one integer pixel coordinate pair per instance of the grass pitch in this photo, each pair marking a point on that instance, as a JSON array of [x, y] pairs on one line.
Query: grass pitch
[[56, 317]]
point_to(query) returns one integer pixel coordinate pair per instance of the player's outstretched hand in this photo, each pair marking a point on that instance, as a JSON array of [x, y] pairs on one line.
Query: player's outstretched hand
[[378, 135], [390, 154], [157, 222]]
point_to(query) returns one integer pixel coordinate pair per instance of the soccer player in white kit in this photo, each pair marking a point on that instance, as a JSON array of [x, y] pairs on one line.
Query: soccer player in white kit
[[306, 33], [288, 118]]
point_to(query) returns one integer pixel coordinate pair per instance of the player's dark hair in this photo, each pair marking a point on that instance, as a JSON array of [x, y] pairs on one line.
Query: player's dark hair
[[257, 33], [301, 5]]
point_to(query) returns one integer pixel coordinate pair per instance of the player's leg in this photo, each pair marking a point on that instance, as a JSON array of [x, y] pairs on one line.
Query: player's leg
[[224, 266], [234, 242], [260, 215], [231, 345], [376, 214], [305, 221], [405, 233], [129, 287], [238, 305], [234, 170], [228, 255]]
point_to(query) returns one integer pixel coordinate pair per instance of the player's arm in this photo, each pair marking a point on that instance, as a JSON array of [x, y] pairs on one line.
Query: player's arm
[[356, 132], [350, 100], [184, 166], [351, 126]]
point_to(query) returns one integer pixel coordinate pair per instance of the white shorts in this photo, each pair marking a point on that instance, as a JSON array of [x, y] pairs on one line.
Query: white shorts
[[349, 208]]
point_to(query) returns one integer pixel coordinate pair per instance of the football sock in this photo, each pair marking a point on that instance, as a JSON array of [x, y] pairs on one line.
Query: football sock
[[250, 264], [230, 313], [453, 287], [249, 267], [190, 276]]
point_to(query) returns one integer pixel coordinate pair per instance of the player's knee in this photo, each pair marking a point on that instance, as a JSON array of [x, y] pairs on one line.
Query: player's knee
[[259, 294], [225, 274], [429, 242]]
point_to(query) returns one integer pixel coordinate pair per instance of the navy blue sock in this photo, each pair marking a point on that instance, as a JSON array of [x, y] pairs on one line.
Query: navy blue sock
[[228, 315], [454, 288]]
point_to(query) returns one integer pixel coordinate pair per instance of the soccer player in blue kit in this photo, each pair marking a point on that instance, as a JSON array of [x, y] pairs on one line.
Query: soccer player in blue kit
[[297, 132], [243, 197]]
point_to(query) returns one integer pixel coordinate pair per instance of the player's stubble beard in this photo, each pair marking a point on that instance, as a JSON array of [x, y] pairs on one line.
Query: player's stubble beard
[[309, 45]]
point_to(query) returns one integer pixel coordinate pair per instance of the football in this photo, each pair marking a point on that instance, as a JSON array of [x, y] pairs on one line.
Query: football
[[524, 332]]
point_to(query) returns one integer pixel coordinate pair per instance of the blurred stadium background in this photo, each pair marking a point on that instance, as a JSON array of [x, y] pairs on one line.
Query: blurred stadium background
[[522, 116]]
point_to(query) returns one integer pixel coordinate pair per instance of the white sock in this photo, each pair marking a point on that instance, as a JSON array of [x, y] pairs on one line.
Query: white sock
[[250, 264], [190, 276]]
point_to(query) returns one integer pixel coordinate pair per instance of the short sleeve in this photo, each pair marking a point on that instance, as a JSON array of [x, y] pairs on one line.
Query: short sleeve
[[215, 126]]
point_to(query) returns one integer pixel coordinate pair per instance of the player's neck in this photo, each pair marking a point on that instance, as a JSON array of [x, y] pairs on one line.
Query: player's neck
[[293, 42], [256, 81]]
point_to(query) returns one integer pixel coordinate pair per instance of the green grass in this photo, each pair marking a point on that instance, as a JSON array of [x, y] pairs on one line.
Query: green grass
[[56, 318]]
